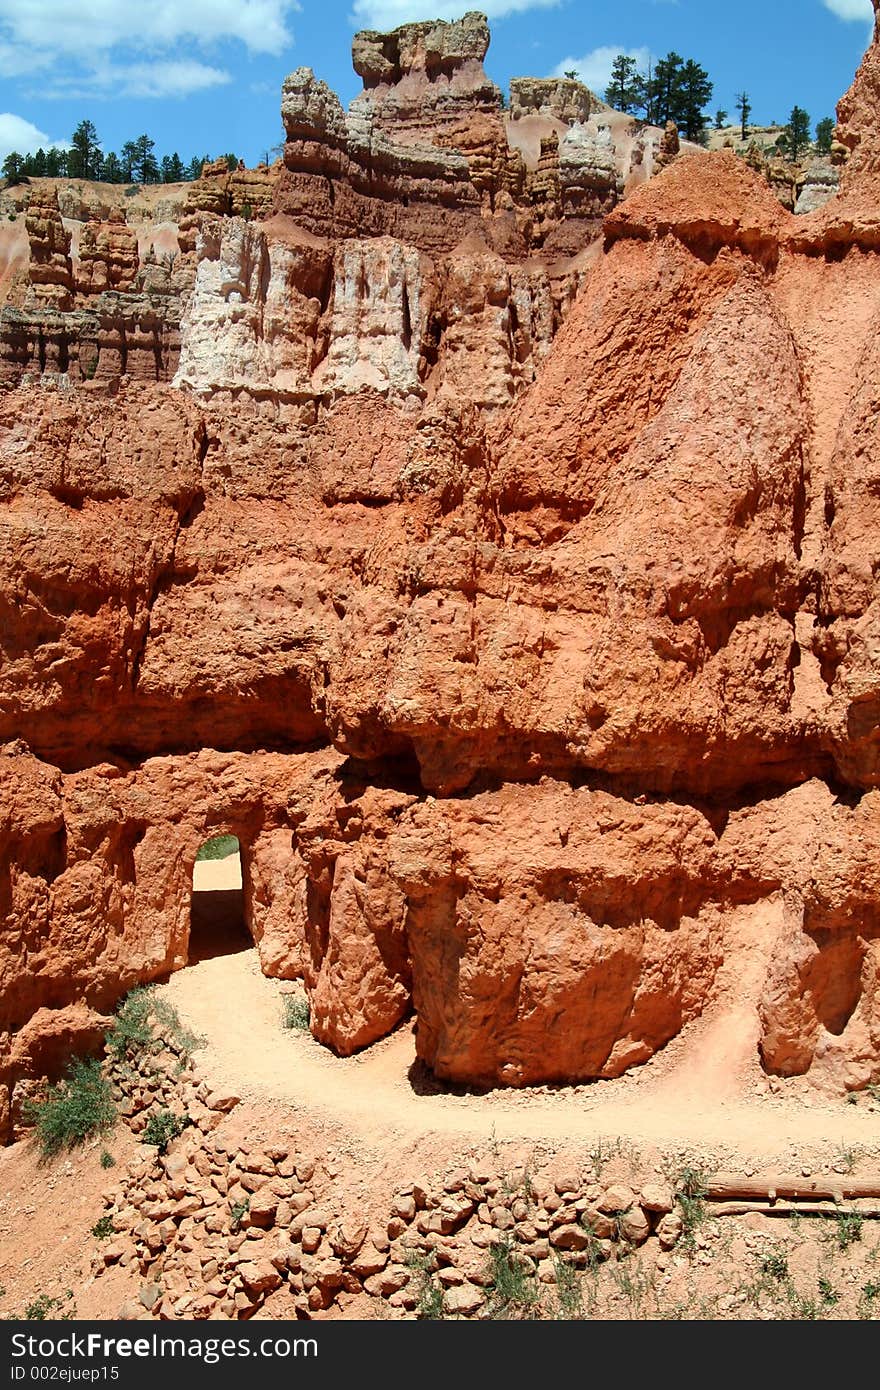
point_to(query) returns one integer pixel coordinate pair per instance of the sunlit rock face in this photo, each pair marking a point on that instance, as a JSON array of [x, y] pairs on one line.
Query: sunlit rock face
[[480, 525]]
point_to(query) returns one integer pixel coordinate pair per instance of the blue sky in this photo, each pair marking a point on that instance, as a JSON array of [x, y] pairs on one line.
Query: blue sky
[[204, 76]]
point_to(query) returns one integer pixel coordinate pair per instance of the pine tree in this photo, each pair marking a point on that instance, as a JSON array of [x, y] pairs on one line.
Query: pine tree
[[744, 107], [128, 155], [13, 167], [797, 134], [720, 119], [665, 89], [113, 170], [625, 88], [694, 91], [824, 135], [646, 84], [677, 90], [144, 167], [39, 164], [194, 168], [84, 157], [172, 169], [56, 163]]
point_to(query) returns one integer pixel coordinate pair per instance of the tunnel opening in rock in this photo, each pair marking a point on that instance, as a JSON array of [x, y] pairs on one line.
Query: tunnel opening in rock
[[218, 926]]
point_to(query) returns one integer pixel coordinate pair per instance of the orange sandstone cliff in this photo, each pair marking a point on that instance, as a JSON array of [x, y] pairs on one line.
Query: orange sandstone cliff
[[482, 526]]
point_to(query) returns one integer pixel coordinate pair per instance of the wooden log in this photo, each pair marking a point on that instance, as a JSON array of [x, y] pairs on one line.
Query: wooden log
[[724, 1187], [830, 1209]]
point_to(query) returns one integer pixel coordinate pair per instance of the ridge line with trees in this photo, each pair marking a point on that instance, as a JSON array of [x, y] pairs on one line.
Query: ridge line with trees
[[136, 162], [678, 89]]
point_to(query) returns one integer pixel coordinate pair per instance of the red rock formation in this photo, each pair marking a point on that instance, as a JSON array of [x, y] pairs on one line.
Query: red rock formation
[[530, 598], [102, 314], [670, 146], [428, 131], [424, 76], [425, 158], [108, 256], [51, 273], [226, 193], [857, 128], [544, 940], [562, 98]]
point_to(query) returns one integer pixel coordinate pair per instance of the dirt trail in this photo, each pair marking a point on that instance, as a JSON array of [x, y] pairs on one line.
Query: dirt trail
[[705, 1090]]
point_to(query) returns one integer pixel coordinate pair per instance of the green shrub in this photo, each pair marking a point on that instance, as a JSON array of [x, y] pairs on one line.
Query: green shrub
[[569, 1291], [430, 1300], [429, 1294], [847, 1158], [141, 1019], [130, 1031], [171, 1028], [775, 1266], [77, 1107], [162, 1127], [107, 1159], [803, 1308], [103, 1228], [221, 847], [297, 1013], [238, 1211], [513, 1292], [690, 1192], [44, 1307], [849, 1229]]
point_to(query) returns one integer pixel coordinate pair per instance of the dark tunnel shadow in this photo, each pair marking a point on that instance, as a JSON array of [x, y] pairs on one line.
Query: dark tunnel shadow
[[217, 924]]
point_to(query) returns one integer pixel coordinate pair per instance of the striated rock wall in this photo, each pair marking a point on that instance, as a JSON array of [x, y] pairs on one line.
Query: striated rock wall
[[51, 273], [276, 311], [108, 256], [516, 608], [562, 98], [102, 312], [424, 76], [550, 933], [425, 171], [429, 129]]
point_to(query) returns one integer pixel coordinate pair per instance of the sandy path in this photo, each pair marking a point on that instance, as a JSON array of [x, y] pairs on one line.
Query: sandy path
[[217, 875], [677, 1100]]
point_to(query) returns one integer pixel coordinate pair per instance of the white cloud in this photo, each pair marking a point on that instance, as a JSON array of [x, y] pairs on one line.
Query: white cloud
[[69, 26], [22, 136], [16, 62], [850, 9], [594, 69], [388, 14], [159, 79], [100, 46]]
